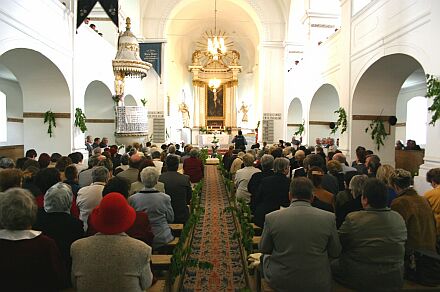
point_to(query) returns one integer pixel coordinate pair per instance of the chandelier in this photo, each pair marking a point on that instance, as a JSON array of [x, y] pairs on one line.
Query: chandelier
[[216, 43], [214, 84]]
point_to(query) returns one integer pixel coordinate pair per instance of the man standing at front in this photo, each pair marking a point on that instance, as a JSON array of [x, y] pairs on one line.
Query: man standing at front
[[297, 242]]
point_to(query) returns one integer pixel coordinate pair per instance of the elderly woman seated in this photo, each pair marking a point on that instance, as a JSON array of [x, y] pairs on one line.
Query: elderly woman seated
[[111, 260], [193, 166], [157, 205], [56, 221], [30, 261]]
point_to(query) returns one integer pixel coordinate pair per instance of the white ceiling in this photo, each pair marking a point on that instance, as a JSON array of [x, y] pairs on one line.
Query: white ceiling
[[5, 73], [415, 78]]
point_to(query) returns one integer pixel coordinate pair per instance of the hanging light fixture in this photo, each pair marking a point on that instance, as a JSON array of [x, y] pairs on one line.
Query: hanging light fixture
[[214, 84], [216, 42]]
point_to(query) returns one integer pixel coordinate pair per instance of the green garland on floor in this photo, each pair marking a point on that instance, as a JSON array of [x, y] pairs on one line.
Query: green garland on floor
[[49, 117], [179, 260], [242, 212], [203, 155]]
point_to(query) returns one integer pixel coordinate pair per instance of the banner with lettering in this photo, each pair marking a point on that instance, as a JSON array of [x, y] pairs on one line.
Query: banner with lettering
[[152, 53]]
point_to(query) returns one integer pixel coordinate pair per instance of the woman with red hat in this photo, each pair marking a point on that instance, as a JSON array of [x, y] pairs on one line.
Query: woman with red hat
[[111, 260]]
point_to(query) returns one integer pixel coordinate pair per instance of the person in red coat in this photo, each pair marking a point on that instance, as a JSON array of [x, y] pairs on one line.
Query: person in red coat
[[193, 166], [30, 261]]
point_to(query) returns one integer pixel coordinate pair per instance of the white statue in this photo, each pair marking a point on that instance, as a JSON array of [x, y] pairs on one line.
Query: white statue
[[183, 108], [244, 109]]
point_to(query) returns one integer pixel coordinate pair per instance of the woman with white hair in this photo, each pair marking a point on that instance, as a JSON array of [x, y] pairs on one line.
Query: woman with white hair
[[56, 221], [157, 205], [30, 261]]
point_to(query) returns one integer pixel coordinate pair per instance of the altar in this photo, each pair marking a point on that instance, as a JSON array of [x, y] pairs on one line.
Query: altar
[[206, 139]]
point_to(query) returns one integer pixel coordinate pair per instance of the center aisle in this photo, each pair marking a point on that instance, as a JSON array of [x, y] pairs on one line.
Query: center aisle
[[212, 242]]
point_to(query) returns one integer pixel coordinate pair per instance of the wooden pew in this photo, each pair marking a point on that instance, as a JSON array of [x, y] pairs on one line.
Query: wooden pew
[[255, 241], [160, 261], [176, 229], [257, 230]]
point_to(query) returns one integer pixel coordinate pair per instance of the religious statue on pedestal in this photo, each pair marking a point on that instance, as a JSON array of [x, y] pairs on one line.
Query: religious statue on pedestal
[[183, 108], [244, 109]]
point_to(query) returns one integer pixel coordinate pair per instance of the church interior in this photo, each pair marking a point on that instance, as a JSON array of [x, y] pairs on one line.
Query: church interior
[[154, 78]]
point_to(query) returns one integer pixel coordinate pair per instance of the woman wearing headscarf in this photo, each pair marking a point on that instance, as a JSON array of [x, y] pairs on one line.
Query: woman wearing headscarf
[[57, 223], [30, 261], [111, 260]]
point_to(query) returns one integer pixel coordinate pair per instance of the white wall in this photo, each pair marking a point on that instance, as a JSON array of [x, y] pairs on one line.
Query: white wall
[[99, 105], [405, 95], [14, 109]]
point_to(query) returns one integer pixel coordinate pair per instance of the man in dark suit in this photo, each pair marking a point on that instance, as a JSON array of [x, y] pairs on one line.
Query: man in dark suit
[[178, 187], [255, 181], [273, 191], [297, 242]]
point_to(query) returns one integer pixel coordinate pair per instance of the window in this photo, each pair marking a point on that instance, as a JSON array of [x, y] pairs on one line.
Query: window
[[3, 118], [417, 119]]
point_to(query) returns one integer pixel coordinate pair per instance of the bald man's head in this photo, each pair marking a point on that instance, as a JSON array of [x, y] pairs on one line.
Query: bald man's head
[[135, 160], [340, 157]]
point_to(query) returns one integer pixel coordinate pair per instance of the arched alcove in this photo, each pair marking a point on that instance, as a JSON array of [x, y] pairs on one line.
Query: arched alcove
[[376, 93], [294, 117], [324, 103], [414, 86], [99, 110], [129, 100], [35, 85]]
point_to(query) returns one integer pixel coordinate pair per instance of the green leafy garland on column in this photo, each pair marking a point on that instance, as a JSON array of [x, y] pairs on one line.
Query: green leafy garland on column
[[433, 90], [300, 130], [378, 133], [341, 122], [49, 117], [80, 120]]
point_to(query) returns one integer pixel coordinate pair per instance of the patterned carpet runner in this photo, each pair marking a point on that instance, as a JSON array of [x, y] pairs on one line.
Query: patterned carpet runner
[[213, 242]]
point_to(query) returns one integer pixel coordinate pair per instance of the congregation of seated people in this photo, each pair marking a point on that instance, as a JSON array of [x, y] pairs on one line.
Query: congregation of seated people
[[91, 226], [94, 227], [324, 219]]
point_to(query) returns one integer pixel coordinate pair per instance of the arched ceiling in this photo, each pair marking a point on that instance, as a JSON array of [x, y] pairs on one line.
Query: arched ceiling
[[193, 19]]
